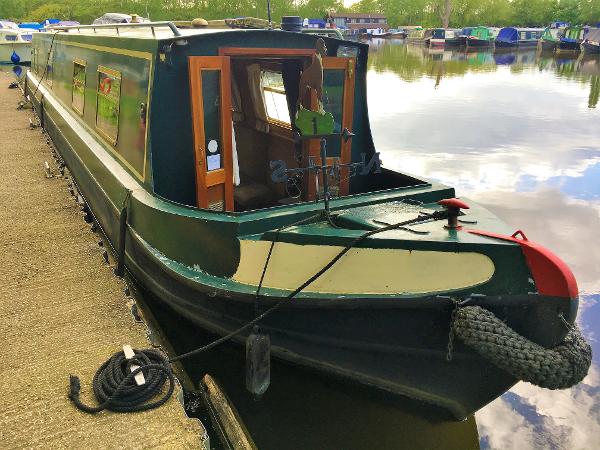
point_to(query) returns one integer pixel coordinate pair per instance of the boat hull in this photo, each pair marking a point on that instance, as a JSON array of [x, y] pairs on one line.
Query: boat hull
[[21, 49], [548, 46], [591, 49], [515, 44], [394, 343], [479, 43], [568, 47]]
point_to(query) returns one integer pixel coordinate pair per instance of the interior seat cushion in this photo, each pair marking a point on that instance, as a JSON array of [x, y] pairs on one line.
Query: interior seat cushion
[[252, 194]]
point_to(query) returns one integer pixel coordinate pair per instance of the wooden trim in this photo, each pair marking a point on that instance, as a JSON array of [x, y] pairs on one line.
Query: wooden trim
[[349, 66], [223, 176], [257, 51], [215, 177]]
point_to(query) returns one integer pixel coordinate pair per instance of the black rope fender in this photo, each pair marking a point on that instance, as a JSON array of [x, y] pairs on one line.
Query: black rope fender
[[560, 367], [115, 387]]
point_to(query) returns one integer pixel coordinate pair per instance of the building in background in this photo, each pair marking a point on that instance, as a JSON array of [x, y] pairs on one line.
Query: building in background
[[360, 21]]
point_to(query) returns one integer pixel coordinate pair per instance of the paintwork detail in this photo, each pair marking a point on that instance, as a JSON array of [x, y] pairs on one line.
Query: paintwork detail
[[551, 275], [362, 270]]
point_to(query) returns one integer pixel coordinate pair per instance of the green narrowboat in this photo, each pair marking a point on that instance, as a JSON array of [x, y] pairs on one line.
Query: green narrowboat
[[188, 148], [480, 37], [550, 39]]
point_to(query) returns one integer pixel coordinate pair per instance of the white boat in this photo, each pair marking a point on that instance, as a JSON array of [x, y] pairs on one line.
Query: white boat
[[15, 44]]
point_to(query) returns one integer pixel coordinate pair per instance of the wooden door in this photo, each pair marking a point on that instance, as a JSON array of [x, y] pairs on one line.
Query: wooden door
[[210, 89]]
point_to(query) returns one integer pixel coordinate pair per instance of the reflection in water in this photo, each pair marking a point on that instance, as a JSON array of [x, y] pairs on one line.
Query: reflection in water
[[517, 132], [303, 410]]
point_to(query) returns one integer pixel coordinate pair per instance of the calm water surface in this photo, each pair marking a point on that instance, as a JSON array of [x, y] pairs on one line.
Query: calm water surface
[[516, 132], [520, 134]]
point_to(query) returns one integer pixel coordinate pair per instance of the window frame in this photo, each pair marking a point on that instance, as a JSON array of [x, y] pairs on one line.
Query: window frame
[[273, 120], [82, 63], [115, 74], [49, 68]]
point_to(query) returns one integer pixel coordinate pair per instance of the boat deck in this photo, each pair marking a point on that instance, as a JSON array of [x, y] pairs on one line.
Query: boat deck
[[62, 311]]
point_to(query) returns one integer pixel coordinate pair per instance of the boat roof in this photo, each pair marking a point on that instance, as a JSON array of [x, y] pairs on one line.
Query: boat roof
[[145, 30], [593, 35], [523, 29], [8, 24], [157, 31]]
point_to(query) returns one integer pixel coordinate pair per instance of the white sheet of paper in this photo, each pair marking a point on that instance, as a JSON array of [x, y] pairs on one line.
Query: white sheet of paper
[[213, 162]]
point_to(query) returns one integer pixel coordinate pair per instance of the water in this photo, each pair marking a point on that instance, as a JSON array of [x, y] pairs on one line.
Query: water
[[520, 134], [515, 132]]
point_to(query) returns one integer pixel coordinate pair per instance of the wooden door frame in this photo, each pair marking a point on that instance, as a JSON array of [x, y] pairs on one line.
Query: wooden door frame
[[224, 175]]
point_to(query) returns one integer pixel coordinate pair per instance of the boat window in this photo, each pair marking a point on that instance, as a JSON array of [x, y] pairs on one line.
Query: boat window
[[49, 67], [107, 107], [78, 100], [275, 97], [523, 35], [211, 81], [10, 37]]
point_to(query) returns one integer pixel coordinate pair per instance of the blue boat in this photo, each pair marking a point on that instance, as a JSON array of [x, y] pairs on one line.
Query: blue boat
[[30, 25], [511, 37]]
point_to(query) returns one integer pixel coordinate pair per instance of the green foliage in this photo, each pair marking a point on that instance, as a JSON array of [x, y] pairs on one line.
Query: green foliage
[[399, 12]]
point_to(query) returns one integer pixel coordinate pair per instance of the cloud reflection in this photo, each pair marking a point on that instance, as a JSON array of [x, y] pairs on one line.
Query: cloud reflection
[[523, 141]]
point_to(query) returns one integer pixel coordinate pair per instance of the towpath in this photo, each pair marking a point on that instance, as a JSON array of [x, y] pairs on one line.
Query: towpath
[[62, 311]]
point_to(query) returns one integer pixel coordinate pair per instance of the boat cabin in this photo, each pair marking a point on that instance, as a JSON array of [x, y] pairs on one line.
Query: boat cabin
[[15, 43], [574, 34], [207, 117], [10, 33]]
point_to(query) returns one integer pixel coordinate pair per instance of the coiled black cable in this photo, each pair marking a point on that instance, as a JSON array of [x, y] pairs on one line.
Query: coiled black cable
[[115, 387]]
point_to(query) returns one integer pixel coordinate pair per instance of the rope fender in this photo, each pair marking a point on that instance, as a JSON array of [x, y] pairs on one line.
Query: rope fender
[[556, 368]]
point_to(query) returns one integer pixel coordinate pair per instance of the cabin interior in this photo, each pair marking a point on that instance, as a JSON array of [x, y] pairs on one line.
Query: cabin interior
[[239, 148]]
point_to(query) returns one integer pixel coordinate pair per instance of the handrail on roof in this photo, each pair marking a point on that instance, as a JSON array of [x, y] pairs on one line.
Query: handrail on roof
[[116, 26]]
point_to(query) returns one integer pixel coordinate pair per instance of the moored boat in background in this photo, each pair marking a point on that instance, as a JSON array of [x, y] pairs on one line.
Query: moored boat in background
[[398, 33], [444, 37], [15, 43], [480, 37], [420, 35], [464, 34], [591, 44], [512, 37], [550, 38], [571, 40]]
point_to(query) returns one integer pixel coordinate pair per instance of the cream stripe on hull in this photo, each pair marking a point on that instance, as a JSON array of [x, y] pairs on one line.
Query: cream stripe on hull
[[361, 270]]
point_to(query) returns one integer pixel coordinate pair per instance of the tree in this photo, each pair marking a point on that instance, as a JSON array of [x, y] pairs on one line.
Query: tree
[[444, 9]]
